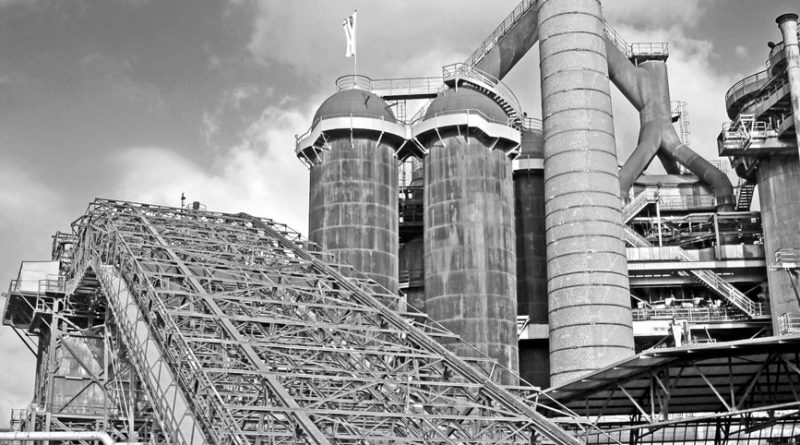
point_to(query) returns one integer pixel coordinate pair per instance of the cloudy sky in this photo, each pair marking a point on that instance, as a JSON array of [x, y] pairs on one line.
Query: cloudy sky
[[144, 100]]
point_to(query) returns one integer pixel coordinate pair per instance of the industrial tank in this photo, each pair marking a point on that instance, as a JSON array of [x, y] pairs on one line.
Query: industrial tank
[[470, 283], [529, 225], [412, 269], [353, 203]]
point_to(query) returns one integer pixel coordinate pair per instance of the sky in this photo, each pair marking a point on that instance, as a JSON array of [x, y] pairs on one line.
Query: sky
[[143, 100]]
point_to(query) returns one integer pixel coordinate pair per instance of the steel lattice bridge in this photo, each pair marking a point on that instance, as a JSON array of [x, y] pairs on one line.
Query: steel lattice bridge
[[239, 334]]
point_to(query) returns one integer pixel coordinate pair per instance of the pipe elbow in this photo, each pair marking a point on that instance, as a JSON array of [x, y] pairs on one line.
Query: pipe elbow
[[723, 188]]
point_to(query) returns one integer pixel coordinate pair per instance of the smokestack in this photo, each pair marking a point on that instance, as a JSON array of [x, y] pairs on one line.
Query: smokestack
[[788, 25], [588, 290]]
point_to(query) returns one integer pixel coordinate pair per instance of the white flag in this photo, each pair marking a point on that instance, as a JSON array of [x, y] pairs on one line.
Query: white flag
[[349, 25]]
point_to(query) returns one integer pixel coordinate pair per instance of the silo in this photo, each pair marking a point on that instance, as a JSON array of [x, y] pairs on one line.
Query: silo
[[589, 298], [531, 259], [470, 283], [353, 202]]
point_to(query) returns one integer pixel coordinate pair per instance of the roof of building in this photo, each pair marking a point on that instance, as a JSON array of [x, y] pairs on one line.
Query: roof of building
[[357, 102], [455, 99], [700, 378]]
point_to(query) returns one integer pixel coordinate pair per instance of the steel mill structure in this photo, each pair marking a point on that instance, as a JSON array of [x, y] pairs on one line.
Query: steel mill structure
[[472, 275]]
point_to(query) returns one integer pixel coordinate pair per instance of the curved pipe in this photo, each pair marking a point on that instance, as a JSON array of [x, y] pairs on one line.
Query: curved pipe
[[723, 189], [646, 87]]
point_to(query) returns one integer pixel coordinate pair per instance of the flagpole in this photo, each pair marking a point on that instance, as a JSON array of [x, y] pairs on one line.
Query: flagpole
[[355, 43]]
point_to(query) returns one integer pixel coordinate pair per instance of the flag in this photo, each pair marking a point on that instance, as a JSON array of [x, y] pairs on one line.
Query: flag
[[349, 25]]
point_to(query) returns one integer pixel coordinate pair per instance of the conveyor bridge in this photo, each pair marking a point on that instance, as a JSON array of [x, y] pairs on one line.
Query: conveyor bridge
[[240, 335]]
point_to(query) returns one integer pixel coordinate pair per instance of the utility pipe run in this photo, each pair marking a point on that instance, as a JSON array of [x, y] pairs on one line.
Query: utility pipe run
[[788, 25], [50, 436], [647, 89]]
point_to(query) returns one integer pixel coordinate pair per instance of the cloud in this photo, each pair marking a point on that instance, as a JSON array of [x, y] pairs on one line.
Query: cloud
[[415, 48], [5, 3], [741, 51], [235, 107], [259, 175], [113, 77], [657, 14]]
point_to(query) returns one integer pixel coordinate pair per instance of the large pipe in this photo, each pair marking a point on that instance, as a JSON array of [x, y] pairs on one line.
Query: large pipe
[[647, 89], [588, 289], [788, 25], [52, 436], [512, 47]]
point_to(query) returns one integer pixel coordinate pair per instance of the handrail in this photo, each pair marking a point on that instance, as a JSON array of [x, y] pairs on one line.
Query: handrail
[[353, 82], [746, 86], [614, 37], [531, 124], [774, 52], [299, 137], [788, 322], [649, 49], [637, 204], [460, 70], [390, 86], [733, 295], [689, 314], [469, 111], [788, 258]]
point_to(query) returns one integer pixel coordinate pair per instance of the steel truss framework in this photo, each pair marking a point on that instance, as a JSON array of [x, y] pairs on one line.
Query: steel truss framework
[[270, 344], [736, 392], [79, 385]]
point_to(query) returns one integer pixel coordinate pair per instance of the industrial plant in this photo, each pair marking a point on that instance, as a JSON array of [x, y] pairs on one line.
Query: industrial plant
[[471, 275]]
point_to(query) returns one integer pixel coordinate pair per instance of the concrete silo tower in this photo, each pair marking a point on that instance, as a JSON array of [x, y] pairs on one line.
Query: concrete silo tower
[[470, 280], [353, 202]]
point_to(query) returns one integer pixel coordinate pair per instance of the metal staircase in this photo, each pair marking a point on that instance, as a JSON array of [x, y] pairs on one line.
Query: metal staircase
[[745, 196], [708, 278], [240, 335], [636, 205], [458, 75]]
